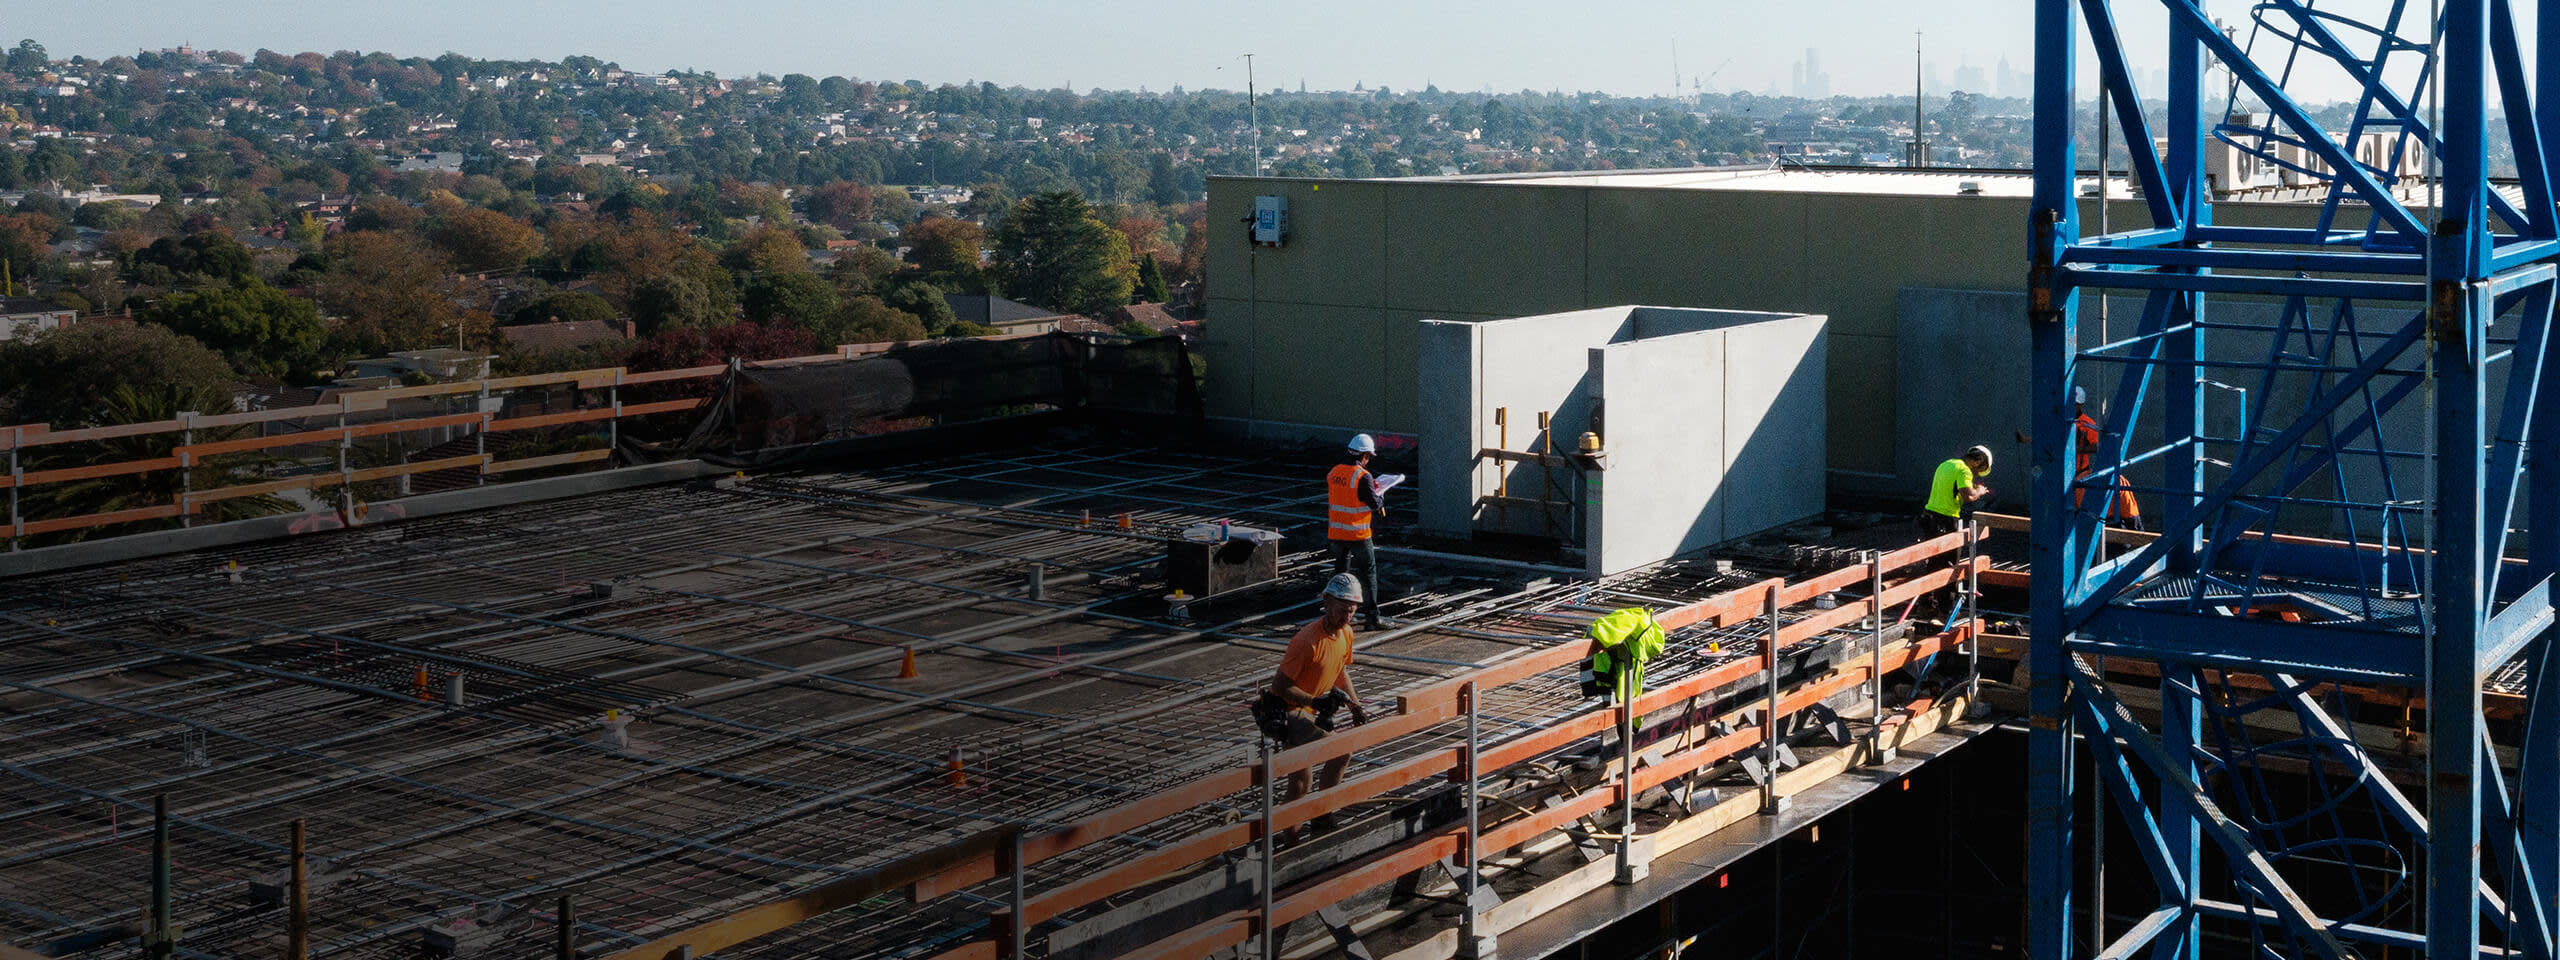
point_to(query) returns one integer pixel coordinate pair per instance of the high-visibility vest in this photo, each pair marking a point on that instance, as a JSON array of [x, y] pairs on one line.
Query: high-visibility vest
[[1621, 643], [1347, 517], [2125, 507]]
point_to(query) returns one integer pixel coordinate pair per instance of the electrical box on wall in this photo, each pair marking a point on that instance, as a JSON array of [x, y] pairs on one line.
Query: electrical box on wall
[[1270, 220]]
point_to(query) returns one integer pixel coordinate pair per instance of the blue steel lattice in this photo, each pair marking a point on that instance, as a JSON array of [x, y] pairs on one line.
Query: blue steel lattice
[[2337, 418]]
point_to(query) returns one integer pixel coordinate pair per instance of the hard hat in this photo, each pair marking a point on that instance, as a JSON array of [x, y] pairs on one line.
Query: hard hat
[[1982, 452], [2079, 394], [1344, 586], [1360, 443]]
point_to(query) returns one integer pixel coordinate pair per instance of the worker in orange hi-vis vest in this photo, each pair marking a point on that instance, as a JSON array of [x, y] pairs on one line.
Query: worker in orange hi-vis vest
[[1352, 511], [2124, 512]]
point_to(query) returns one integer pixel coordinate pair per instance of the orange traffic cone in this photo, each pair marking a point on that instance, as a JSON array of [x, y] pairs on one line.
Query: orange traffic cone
[[1124, 521], [907, 665], [422, 681], [958, 775]]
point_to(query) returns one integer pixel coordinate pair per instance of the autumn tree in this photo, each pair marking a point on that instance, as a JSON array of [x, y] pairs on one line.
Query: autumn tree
[[260, 330], [480, 240], [843, 204], [866, 319], [390, 292], [1052, 251], [944, 246], [565, 307], [672, 301], [767, 249]]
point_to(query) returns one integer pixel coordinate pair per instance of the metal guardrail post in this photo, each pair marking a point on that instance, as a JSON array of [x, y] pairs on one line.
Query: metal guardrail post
[[1270, 853], [1474, 943], [186, 469], [613, 427], [297, 921], [1877, 753], [346, 470], [1770, 801], [565, 945], [480, 437], [1630, 869], [160, 937], [17, 475], [1972, 615], [1014, 934]]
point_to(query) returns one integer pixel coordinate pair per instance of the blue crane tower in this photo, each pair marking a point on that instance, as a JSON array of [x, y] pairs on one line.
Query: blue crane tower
[[2336, 415]]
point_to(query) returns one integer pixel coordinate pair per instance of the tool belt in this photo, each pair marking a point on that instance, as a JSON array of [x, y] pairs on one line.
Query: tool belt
[[1271, 714]]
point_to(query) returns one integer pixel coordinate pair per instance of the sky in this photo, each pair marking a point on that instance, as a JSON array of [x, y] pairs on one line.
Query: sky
[[1621, 47]]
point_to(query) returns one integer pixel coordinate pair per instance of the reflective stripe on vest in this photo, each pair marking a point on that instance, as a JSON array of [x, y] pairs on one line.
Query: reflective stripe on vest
[[1346, 517]]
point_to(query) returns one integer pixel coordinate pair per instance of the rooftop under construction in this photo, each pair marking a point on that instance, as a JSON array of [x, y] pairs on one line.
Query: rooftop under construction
[[677, 703]]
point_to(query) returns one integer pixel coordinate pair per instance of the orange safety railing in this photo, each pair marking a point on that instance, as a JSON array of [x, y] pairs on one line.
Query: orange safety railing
[[346, 410], [1418, 712]]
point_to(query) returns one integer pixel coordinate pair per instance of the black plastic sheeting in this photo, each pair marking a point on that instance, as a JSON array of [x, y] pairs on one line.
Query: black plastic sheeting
[[761, 416]]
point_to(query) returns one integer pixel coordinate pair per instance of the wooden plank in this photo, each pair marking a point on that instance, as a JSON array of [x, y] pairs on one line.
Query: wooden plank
[[834, 895], [680, 373], [551, 419], [118, 469], [972, 950], [1349, 880], [424, 466], [662, 406], [268, 442], [262, 489], [85, 521], [553, 460], [112, 432], [1225, 931]]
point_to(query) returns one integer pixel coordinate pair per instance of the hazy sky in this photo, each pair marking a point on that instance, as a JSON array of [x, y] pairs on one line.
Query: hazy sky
[[1623, 47], [1618, 46]]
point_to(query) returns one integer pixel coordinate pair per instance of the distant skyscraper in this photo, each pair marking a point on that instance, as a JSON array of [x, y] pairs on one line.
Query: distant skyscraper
[[1807, 79], [2004, 81], [1969, 80]]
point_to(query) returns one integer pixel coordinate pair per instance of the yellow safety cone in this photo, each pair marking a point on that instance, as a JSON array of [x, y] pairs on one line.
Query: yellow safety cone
[[907, 665]]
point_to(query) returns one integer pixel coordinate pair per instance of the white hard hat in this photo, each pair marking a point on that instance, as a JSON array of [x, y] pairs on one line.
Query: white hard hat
[[1982, 452], [2079, 394], [1360, 443], [1344, 586]]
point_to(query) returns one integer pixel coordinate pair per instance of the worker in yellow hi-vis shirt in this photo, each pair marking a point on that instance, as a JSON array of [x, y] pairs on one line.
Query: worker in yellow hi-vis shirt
[[1954, 490]]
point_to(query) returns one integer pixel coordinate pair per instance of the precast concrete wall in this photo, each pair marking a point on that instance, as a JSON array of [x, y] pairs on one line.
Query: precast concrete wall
[[1704, 414], [1324, 331]]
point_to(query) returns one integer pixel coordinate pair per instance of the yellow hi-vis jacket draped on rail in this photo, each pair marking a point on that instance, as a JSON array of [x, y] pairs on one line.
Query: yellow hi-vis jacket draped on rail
[[1622, 642]]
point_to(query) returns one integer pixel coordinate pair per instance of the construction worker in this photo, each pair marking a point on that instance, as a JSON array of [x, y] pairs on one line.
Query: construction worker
[[1954, 490], [1313, 681], [1352, 511], [2126, 513]]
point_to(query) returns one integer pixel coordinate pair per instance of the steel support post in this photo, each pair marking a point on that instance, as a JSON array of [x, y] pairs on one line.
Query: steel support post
[[2459, 314], [1631, 868], [1877, 753], [1473, 940], [160, 935], [2054, 223], [187, 469], [480, 437], [297, 921], [564, 944], [1015, 933], [17, 475], [1973, 617], [1770, 801], [1270, 854], [346, 470]]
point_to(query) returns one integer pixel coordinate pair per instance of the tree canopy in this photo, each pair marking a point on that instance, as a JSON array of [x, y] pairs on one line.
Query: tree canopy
[[1053, 252], [64, 377], [262, 331]]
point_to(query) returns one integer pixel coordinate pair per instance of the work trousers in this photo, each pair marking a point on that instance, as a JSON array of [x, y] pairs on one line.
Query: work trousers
[[1360, 559]]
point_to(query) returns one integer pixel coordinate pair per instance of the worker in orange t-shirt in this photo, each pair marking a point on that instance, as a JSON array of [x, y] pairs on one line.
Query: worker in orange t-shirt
[[1314, 678]]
